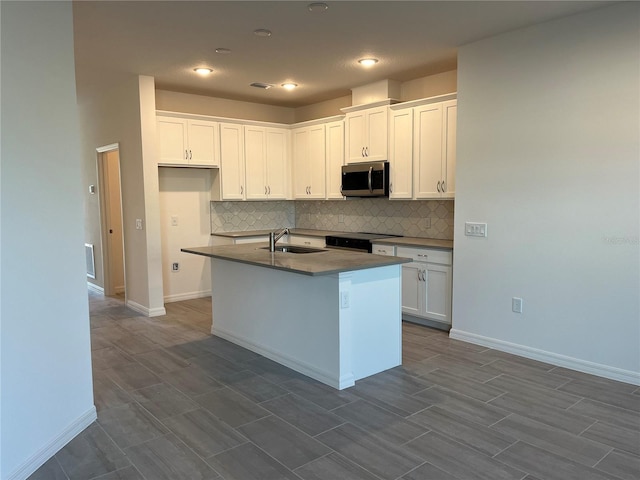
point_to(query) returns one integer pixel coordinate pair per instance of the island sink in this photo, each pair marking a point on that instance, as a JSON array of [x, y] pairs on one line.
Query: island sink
[[296, 249]]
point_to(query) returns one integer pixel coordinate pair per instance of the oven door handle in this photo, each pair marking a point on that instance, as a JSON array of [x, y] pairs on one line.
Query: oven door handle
[[370, 179]]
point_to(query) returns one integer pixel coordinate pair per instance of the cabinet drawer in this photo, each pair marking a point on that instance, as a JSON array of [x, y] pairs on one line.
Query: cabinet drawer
[[315, 242], [383, 250], [425, 255]]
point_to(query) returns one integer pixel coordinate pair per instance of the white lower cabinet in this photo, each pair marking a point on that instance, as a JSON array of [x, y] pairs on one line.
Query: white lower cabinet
[[378, 249], [427, 284], [306, 241]]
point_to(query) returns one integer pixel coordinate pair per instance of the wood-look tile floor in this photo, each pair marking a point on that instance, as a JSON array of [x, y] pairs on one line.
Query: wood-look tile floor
[[176, 403]]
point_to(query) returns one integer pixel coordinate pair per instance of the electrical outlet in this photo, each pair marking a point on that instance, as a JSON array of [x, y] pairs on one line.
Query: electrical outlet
[[427, 222], [340, 218], [175, 267], [174, 220], [516, 305], [138, 224], [474, 229], [344, 299]]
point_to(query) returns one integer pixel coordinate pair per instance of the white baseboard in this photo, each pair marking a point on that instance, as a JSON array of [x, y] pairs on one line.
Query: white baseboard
[[95, 288], [45, 453], [120, 289], [322, 376], [178, 297], [147, 312], [606, 371]]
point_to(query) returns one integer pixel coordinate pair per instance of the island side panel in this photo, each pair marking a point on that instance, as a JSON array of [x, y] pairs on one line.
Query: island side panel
[[375, 318], [290, 318]]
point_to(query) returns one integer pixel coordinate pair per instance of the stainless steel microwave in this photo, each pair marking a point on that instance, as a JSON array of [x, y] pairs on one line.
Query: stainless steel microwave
[[369, 179]]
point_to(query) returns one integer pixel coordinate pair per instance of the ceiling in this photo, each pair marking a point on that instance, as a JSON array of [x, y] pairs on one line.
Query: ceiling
[[316, 50]]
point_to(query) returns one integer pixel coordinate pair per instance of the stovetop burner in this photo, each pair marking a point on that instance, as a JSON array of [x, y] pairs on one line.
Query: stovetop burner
[[356, 240]]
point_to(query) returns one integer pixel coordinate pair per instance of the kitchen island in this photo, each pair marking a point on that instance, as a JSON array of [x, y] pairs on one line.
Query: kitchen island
[[333, 315]]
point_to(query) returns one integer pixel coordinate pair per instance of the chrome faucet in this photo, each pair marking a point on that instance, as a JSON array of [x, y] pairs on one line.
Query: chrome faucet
[[275, 236]]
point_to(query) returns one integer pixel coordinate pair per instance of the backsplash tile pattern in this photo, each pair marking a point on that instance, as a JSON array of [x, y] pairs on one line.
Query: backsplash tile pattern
[[239, 216], [426, 218]]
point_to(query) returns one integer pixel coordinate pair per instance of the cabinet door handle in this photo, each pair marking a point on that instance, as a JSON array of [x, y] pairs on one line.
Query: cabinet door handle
[[423, 255], [186, 154], [241, 190], [439, 187], [444, 188], [265, 189], [366, 151], [363, 151], [269, 189], [190, 155], [391, 188]]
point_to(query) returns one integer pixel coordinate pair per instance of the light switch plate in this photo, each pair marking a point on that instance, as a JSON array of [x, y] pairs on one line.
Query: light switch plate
[[475, 229]]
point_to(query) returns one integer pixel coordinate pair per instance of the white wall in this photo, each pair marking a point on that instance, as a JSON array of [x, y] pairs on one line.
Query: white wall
[[222, 107], [45, 368], [548, 156], [184, 196], [125, 115]]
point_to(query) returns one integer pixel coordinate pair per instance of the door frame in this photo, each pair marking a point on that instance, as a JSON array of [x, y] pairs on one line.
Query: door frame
[[104, 194]]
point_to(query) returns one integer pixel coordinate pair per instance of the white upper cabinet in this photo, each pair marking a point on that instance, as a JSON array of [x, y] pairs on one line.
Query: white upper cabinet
[[232, 161], [278, 167], [188, 142], [434, 149], [255, 162], [309, 162], [334, 150], [366, 135], [401, 154]]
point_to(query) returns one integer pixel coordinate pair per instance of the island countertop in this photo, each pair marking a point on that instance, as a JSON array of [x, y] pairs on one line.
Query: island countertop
[[327, 262]]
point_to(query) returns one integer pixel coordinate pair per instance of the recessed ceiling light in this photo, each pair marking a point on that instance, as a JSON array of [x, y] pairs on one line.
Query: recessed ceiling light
[[203, 70], [317, 7], [367, 62], [289, 86], [262, 32], [223, 51]]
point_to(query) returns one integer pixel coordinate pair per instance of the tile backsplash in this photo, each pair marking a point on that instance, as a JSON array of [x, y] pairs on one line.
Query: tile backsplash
[[238, 216], [411, 218], [429, 218]]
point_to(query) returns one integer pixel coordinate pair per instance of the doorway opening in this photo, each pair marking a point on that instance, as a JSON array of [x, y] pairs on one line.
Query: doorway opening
[[111, 226]]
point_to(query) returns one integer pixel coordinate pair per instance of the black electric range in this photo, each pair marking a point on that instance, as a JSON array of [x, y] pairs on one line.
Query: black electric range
[[362, 241]]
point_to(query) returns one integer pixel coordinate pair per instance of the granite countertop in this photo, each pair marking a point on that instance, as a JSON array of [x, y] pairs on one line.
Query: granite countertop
[[259, 233], [417, 242], [327, 262]]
